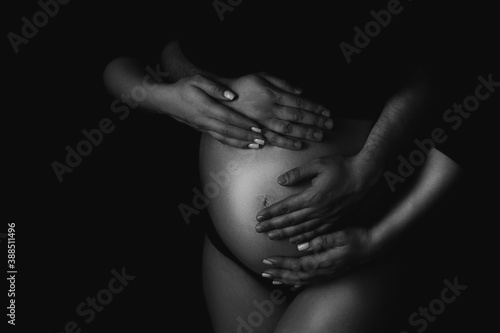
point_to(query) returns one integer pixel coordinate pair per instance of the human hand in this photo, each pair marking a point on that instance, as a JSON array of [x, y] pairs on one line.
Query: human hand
[[328, 256], [337, 184], [195, 101], [277, 105]]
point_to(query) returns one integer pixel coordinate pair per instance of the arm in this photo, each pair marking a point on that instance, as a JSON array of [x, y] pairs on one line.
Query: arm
[[338, 183], [275, 104], [332, 254]]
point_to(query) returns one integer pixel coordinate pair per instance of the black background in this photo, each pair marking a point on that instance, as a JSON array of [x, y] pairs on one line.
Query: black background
[[118, 208]]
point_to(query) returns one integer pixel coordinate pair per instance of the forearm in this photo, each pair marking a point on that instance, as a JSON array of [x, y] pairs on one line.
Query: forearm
[[397, 122], [124, 78], [434, 180]]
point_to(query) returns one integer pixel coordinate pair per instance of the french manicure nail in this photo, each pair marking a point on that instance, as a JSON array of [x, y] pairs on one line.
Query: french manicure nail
[[277, 282], [256, 129], [266, 275], [267, 262], [229, 95], [253, 146], [303, 246], [259, 141]]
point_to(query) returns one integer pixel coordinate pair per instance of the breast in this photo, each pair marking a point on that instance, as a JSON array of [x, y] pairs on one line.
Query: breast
[[241, 182]]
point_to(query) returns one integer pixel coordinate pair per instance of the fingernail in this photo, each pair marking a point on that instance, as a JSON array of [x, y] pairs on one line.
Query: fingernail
[[266, 275], [267, 262], [229, 95], [326, 113], [256, 129], [273, 235], [253, 146], [303, 246], [282, 180], [260, 228], [259, 141], [298, 90], [260, 218], [297, 144], [318, 135], [276, 283], [329, 124]]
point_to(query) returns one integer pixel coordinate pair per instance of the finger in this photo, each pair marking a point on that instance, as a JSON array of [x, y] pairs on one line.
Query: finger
[[291, 204], [281, 141], [232, 142], [303, 117], [228, 116], [286, 220], [299, 102], [306, 171], [302, 240], [329, 241], [294, 130], [305, 263], [282, 84], [294, 230], [213, 89], [231, 131], [287, 276]]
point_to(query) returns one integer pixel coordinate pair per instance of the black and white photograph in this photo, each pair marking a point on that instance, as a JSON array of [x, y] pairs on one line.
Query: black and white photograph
[[249, 166]]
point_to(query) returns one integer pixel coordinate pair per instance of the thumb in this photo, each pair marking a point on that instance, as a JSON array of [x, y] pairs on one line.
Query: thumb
[[298, 174], [214, 89]]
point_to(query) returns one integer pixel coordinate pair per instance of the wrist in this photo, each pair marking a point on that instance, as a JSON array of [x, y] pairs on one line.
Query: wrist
[[369, 167], [160, 99]]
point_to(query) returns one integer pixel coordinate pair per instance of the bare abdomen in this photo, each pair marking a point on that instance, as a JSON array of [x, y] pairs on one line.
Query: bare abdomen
[[241, 182]]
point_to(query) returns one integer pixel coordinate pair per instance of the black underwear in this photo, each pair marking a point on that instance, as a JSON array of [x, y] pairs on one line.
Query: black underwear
[[214, 237]]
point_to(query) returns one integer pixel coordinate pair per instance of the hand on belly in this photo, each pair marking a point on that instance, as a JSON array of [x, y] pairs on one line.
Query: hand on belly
[[252, 185]]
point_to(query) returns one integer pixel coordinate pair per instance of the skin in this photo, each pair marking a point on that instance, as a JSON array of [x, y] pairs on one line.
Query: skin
[[338, 183], [332, 254], [197, 99], [199, 102]]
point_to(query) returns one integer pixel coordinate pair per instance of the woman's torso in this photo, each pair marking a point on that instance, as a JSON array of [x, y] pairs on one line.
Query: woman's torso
[[241, 182]]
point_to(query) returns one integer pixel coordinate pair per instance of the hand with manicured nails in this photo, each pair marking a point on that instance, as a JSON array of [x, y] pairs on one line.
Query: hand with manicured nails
[[275, 104], [327, 256], [337, 184], [195, 101]]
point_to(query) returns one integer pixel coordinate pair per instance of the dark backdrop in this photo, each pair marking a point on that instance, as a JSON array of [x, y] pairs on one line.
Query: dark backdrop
[[119, 207]]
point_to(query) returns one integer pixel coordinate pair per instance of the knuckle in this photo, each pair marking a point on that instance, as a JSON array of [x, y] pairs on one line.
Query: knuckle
[[273, 138], [287, 127], [297, 116], [300, 102], [283, 209], [288, 220]]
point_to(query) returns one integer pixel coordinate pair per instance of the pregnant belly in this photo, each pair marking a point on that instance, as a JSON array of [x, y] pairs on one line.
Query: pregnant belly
[[241, 182]]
